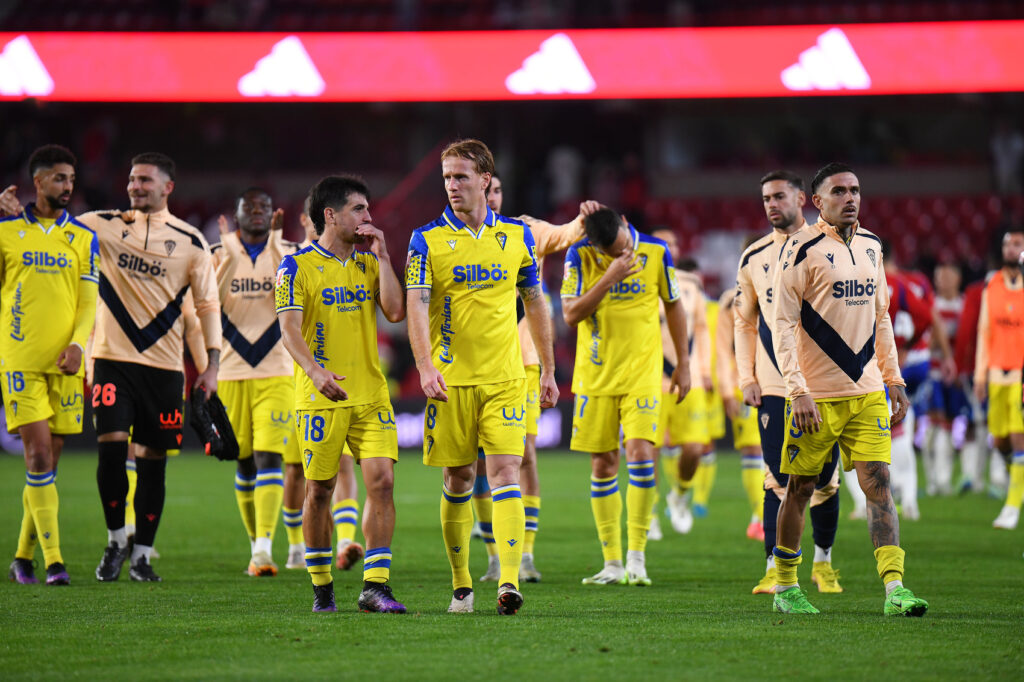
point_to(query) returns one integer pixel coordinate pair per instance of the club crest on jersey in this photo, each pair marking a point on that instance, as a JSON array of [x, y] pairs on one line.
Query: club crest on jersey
[[361, 265], [871, 257], [643, 260], [169, 245], [793, 451], [502, 238], [451, 244], [71, 237]]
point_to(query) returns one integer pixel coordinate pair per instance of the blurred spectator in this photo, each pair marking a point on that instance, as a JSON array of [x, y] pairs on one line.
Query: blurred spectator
[[1007, 158]]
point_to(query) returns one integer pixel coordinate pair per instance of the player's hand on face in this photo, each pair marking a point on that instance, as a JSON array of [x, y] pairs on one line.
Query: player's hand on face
[[548, 390], [375, 238], [207, 381], [326, 382], [680, 382], [70, 359], [900, 404], [9, 201], [805, 414], [625, 265], [732, 406], [277, 220], [433, 384], [752, 395]]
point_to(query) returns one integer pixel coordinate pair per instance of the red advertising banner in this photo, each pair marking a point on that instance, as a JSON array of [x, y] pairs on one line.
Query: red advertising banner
[[773, 61]]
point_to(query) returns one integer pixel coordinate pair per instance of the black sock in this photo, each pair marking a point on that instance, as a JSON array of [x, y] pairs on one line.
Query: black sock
[[771, 518], [149, 499], [824, 520], [112, 480]]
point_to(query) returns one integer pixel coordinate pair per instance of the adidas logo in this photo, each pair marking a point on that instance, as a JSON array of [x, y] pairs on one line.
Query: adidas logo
[[285, 72], [832, 64], [22, 71], [555, 68]]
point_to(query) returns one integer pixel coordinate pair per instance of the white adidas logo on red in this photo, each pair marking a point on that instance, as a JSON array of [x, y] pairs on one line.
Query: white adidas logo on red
[[832, 64], [556, 68], [287, 71], [22, 72]]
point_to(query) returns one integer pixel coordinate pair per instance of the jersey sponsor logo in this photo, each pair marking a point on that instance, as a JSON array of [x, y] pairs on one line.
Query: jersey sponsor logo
[[124, 235], [70, 401], [447, 333], [883, 424], [854, 289], [139, 265], [831, 259], [451, 244], [342, 296], [386, 418], [280, 417], [320, 345], [17, 314], [42, 259], [766, 267], [517, 415], [478, 276], [244, 285], [595, 342], [646, 404], [628, 288], [21, 234]]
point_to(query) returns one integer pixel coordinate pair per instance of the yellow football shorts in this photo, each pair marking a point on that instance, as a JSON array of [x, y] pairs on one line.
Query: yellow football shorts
[[1004, 410], [369, 430], [57, 399], [860, 424], [685, 422], [596, 420], [488, 416], [716, 416], [532, 399], [260, 411], [745, 433]]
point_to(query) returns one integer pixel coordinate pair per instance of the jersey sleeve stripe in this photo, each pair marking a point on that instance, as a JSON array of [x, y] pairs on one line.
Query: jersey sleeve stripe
[[764, 333], [802, 253], [752, 253]]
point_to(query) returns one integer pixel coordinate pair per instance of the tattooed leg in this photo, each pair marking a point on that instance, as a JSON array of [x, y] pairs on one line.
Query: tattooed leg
[[883, 524]]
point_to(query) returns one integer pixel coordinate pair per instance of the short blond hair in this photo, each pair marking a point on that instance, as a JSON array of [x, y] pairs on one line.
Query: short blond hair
[[472, 150]]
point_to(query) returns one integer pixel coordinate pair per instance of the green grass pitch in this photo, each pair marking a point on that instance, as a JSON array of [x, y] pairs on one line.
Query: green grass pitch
[[208, 620]]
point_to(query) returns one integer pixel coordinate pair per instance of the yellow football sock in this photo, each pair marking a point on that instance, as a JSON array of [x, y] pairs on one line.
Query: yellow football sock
[[293, 525], [377, 565], [753, 483], [27, 536], [1015, 492], [509, 527], [267, 501], [346, 517], [244, 488], [704, 480], [456, 528], [654, 503], [890, 562], [786, 563], [670, 464], [129, 501], [639, 500], [531, 507], [606, 503], [43, 501], [318, 564], [484, 509]]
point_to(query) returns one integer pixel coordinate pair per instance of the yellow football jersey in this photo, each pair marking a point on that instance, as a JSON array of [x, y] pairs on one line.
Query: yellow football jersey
[[472, 276], [618, 348], [42, 264], [339, 322]]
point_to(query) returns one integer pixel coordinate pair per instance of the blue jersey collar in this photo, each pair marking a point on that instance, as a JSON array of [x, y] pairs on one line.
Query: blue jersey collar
[[490, 220], [30, 217]]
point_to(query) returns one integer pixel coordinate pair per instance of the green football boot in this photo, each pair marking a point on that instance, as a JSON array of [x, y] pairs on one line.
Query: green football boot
[[793, 600], [902, 602]]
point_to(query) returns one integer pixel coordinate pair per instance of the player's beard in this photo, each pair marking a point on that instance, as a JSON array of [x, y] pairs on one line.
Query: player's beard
[[58, 201]]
